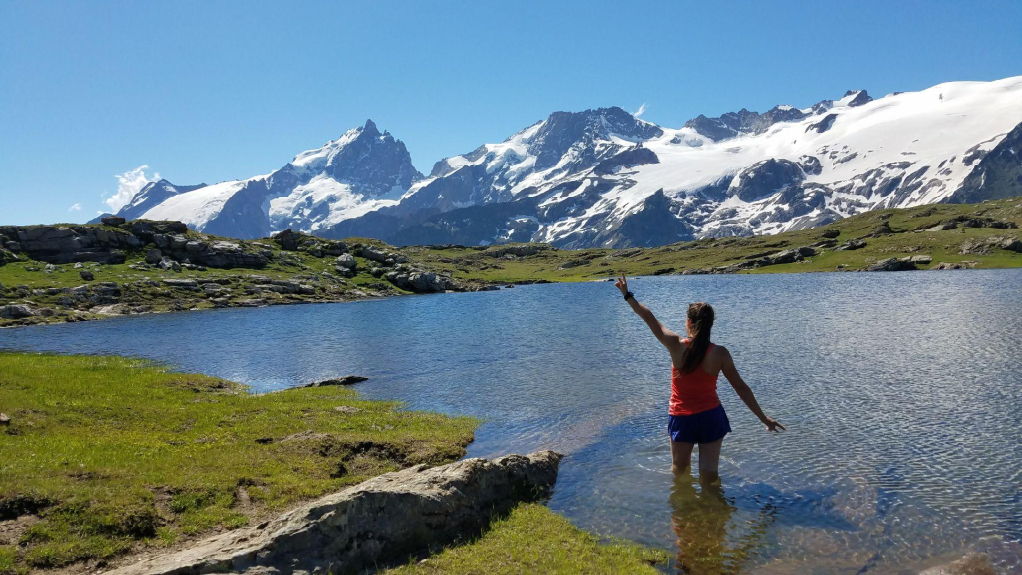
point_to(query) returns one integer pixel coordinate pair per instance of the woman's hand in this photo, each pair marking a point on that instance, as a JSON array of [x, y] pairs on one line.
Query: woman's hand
[[622, 284], [772, 425]]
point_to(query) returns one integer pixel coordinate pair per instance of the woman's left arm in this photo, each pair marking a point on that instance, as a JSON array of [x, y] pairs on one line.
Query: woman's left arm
[[745, 392]]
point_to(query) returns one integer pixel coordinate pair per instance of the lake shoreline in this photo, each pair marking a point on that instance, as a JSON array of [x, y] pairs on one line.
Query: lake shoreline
[[139, 267], [111, 513], [496, 286]]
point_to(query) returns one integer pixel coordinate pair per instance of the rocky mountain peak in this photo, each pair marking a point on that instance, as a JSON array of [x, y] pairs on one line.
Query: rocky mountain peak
[[578, 132], [370, 128], [859, 98], [733, 124]]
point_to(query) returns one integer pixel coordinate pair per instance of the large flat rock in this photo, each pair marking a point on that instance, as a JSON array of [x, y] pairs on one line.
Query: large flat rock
[[383, 520]]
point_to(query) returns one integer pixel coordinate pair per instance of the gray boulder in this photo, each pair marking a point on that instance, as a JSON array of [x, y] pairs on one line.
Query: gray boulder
[[346, 380], [1011, 244], [427, 282], [346, 261], [168, 264], [288, 239], [782, 257], [380, 522], [892, 265], [373, 254], [954, 265], [851, 245], [16, 311], [86, 275]]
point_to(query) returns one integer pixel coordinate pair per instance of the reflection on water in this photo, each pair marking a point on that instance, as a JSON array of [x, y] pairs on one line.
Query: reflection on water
[[902, 394], [700, 518]]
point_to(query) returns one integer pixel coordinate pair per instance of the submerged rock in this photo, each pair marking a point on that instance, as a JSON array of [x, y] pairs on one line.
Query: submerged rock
[[380, 522], [971, 564]]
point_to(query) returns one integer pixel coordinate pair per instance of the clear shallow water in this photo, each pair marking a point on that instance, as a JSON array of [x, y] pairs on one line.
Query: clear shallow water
[[902, 394]]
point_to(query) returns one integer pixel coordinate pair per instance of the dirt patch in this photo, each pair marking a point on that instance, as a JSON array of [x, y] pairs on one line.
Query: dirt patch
[[12, 529]]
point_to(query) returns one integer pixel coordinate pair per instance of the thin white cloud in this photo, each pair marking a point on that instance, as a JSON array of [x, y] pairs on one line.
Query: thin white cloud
[[75, 208], [128, 184], [642, 110]]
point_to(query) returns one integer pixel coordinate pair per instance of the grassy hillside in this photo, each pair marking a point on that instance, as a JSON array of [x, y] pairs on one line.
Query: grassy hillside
[[105, 455], [908, 239], [949, 235]]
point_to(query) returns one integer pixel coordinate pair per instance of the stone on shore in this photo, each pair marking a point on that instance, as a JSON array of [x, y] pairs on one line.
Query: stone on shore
[[383, 521], [892, 265], [346, 380], [16, 311]]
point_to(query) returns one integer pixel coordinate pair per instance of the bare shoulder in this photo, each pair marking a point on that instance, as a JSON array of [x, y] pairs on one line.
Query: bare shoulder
[[674, 342], [720, 352]]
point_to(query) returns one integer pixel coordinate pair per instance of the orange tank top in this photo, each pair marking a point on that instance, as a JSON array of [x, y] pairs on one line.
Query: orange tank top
[[694, 392]]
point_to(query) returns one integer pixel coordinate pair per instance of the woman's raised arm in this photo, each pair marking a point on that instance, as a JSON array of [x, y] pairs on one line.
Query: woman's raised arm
[[665, 336]]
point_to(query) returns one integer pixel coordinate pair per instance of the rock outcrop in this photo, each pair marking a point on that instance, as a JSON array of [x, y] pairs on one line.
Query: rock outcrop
[[896, 264], [382, 521], [67, 244], [108, 244]]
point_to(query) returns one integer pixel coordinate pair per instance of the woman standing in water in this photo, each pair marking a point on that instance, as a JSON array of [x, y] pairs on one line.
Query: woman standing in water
[[696, 415]]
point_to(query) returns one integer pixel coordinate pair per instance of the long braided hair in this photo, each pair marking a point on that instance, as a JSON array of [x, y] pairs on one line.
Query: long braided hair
[[701, 317]]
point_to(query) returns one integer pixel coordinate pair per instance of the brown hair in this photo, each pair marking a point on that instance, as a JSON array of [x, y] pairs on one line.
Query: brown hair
[[701, 317]]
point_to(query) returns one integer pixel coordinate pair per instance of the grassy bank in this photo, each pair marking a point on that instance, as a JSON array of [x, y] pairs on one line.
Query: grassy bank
[[106, 455], [533, 539], [58, 293], [949, 235]]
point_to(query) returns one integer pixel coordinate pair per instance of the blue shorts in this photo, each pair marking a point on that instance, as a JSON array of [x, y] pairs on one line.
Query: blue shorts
[[703, 427]]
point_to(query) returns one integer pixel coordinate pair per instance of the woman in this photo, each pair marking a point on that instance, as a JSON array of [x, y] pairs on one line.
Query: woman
[[696, 415]]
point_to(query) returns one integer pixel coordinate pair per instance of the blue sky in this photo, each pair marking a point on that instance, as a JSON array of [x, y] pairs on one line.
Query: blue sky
[[212, 91]]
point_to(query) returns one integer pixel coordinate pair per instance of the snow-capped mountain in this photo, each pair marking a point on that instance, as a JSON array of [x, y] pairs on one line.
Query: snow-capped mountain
[[361, 171], [606, 178]]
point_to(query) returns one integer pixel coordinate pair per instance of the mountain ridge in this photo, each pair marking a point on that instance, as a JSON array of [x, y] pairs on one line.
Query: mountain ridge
[[603, 177]]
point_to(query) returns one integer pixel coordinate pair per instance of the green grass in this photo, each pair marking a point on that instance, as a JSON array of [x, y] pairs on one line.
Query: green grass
[[533, 539], [114, 454]]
